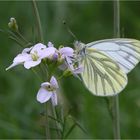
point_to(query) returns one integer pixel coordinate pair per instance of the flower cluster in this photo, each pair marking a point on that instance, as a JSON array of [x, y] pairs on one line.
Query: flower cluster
[[31, 57], [40, 53]]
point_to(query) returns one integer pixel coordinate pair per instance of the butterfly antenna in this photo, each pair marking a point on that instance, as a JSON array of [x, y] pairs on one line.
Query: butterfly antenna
[[69, 30]]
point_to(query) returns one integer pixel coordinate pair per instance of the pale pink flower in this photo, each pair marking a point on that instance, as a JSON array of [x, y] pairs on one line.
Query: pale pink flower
[[31, 57], [48, 91]]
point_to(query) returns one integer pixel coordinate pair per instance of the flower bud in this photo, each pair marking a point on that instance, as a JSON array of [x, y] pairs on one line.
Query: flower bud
[[55, 57], [13, 24]]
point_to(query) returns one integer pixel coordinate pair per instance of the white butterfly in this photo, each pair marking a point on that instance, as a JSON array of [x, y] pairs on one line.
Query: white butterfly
[[106, 64]]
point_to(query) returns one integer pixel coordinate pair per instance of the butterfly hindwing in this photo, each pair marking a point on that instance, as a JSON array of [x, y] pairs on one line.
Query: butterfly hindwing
[[102, 76], [106, 64]]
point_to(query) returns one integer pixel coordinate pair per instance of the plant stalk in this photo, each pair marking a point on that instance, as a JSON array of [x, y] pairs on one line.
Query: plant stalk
[[40, 38], [38, 21], [58, 127], [47, 122], [115, 99]]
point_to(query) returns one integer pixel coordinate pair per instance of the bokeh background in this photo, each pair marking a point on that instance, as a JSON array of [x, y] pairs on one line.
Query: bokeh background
[[89, 21]]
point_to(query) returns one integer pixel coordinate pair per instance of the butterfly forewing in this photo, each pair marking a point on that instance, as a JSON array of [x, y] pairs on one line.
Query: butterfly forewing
[[102, 75], [125, 52]]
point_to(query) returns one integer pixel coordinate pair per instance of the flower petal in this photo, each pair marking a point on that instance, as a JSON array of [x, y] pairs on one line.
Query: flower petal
[[43, 95], [47, 52], [29, 64], [26, 50], [54, 99], [68, 60], [50, 44], [67, 63], [78, 70], [12, 65], [38, 47], [66, 51], [20, 58], [55, 56], [45, 84], [54, 82]]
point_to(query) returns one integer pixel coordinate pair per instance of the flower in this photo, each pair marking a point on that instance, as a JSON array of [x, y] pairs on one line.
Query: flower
[[72, 68], [31, 57], [54, 50], [60, 54], [76, 69], [66, 52], [48, 91], [50, 44], [69, 65]]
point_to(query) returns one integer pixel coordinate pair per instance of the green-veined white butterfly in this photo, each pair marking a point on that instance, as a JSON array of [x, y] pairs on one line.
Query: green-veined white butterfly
[[106, 64]]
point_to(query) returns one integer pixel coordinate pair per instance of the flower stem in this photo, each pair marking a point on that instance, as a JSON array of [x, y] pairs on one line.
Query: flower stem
[[115, 117], [116, 19], [47, 121], [40, 37], [22, 37], [40, 33], [56, 122], [115, 105]]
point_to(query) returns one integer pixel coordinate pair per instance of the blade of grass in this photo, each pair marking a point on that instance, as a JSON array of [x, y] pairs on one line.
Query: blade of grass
[[70, 130]]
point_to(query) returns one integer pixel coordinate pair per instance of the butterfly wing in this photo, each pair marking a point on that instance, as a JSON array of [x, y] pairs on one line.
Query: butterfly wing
[[102, 76], [125, 52]]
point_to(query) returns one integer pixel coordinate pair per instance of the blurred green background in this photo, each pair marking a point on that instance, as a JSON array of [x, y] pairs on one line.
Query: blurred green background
[[89, 21]]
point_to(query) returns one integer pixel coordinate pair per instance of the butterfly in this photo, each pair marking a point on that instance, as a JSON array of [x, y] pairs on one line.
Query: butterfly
[[106, 64]]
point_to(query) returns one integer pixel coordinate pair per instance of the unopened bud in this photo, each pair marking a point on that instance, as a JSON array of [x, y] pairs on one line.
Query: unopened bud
[[13, 24], [55, 57]]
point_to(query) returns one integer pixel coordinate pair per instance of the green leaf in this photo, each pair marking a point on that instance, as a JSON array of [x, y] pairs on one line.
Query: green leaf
[[79, 125], [54, 119], [70, 130]]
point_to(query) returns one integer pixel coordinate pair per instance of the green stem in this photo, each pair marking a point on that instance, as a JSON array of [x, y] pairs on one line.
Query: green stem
[[35, 72], [47, 121], [116, 19], [40, 37], [115, 105], [56, 122], [115, 117], [40, 33], [22, 37]]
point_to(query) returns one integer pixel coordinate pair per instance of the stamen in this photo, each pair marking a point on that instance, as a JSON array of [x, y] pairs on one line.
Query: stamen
[[34, 56]]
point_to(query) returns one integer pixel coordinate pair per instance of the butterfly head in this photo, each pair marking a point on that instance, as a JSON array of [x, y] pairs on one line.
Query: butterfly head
[[79, 46], [79, 50]]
